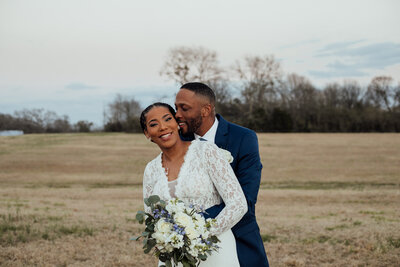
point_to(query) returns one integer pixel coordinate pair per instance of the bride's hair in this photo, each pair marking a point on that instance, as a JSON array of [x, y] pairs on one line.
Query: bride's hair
[[146, 110]]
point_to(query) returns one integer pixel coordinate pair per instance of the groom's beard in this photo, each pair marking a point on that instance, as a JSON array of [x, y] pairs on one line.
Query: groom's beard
[[192, 126]]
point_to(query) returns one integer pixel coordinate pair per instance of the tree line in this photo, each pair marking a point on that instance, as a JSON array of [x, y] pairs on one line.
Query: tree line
[[41, 121], [255, 93]]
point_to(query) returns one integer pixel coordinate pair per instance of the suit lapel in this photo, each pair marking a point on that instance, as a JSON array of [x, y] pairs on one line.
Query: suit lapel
[[221, 139]]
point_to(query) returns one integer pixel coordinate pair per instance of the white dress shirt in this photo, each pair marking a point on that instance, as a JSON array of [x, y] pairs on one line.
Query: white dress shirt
[[210, 134]]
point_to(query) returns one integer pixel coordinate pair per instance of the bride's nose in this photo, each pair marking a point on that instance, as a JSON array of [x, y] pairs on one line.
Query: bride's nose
[[163, 126]]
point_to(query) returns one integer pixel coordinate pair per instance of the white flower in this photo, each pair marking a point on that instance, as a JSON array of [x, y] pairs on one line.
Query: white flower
[[176, 240], [174, 206], [227, 155], [162, 231], [193, 248], [198, 218], [183, 219], [160, 237], [191, 232], [163, 227]]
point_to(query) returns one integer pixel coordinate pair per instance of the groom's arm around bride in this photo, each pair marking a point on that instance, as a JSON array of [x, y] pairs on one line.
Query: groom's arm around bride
[[192, 102]]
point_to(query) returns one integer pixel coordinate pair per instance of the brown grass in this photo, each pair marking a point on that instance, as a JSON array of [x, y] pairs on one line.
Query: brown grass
[[325, 199]]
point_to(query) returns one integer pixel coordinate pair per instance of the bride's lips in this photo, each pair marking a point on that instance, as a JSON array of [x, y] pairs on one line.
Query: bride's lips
[[166, 136]]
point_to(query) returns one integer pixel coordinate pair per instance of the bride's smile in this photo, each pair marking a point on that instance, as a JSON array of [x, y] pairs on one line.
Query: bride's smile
[[162, 127]]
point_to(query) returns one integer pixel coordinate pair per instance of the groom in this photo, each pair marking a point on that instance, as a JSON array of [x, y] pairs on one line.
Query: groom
[[195, 113]]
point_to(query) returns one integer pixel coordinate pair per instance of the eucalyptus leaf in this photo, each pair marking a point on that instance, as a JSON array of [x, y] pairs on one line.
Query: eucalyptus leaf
[[140, 217], [214, 239], [151, 227], [202, 257], [146, 201], [149, 220], [147, 250], [152, 242], [154, 199], [145, 233], [190, 258], [135, 238]]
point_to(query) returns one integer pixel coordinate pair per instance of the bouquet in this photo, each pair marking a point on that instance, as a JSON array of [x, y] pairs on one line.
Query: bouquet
[[178, 234]]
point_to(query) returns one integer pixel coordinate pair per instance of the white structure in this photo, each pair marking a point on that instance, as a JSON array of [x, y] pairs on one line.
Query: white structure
[[11, 133]]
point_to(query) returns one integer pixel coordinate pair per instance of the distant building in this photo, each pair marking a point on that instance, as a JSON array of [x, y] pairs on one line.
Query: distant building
[[11, 133]]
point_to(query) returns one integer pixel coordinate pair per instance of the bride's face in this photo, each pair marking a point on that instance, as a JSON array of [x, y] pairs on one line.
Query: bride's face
[[161, 127]]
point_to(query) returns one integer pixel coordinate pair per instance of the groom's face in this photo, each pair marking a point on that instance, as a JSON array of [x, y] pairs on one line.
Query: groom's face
[[188, 111]]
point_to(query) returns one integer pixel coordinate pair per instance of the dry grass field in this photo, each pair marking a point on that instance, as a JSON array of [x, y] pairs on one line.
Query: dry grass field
[[325, 199]]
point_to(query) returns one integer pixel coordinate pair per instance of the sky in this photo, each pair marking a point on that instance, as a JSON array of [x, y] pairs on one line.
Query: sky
[[74, 56]]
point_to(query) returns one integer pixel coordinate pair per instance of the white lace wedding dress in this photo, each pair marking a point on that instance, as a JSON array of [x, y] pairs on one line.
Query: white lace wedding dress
[[205, 179]]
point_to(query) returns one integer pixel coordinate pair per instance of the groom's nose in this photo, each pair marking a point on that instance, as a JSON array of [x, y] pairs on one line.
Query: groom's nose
[[178, 115]]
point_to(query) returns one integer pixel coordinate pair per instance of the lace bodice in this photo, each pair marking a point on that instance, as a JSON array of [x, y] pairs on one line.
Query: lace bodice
[[205, 179]]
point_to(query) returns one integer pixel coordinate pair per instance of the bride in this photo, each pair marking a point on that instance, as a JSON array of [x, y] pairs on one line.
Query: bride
[[195, 172]]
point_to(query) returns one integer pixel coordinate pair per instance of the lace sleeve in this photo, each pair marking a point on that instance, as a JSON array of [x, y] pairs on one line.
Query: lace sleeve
[[228, 188], [147, 186]]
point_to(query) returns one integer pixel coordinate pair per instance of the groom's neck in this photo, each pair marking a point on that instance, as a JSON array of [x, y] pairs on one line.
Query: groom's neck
[[205, 125]]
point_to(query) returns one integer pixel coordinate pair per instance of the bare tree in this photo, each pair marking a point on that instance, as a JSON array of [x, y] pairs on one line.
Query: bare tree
[[381, 93], [198, 64], [331, 95], [123, 108], [39, 120], [83, 126], [350, 94], [262, 80], [303, 102], [397, 96], [122, 114], [191, 64]]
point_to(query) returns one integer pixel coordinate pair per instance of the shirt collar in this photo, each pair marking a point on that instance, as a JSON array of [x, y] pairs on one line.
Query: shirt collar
[[210, 134]]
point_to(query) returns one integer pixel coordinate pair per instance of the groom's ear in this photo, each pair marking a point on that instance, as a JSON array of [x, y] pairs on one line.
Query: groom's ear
[[206, 110]]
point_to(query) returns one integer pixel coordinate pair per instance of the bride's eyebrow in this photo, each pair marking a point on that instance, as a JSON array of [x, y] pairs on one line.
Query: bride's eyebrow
[[166, 115]]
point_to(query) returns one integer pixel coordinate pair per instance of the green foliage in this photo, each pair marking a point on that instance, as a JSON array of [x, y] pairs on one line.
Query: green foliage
[[16, 228], [267, 237], [394, 242]]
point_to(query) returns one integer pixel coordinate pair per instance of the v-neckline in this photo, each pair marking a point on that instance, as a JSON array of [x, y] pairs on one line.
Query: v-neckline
[[182, 166]]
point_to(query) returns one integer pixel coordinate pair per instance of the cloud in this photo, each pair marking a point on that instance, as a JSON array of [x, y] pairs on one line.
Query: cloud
[[353, 59], [300, 44], [339, 69], [337, 47], [79, 86]]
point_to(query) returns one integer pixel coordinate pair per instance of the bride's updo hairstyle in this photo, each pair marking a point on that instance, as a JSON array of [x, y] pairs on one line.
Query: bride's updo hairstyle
[[146, 110]]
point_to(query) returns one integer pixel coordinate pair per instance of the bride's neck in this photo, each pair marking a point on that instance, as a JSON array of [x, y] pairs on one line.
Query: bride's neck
[[175, 152]]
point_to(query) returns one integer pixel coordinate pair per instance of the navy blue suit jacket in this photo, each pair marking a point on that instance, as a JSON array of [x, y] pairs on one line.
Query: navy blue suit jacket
[[243, 145]]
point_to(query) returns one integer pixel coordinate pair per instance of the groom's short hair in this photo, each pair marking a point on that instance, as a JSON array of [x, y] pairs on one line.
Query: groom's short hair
[[200, 89]]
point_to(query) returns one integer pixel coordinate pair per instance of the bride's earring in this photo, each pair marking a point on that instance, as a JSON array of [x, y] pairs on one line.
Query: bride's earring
[[179, 128]]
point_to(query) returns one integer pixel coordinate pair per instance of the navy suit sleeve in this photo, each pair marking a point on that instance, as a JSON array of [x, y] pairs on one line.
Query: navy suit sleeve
[[248, 168], [248, 171], [213, 211]]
